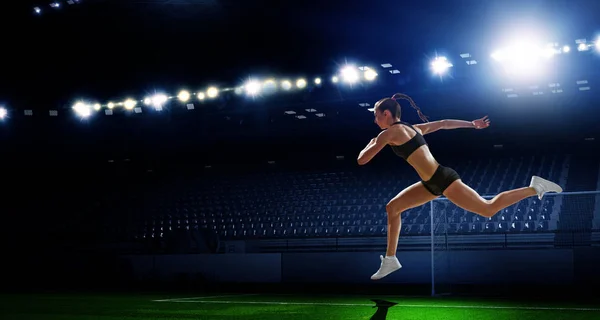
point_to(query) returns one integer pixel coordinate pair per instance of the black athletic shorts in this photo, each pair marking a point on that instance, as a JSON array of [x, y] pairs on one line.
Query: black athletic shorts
[[441, 179]]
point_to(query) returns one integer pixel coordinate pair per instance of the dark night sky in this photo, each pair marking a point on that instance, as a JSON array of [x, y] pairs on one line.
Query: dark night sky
[[107, 49]]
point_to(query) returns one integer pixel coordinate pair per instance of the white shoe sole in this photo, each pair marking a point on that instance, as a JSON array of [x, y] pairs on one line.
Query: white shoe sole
[[380, 276]]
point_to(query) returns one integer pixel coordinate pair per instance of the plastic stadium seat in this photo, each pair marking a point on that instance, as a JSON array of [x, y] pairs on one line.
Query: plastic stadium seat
[[476, 227], [502, 227], [516, 226], [489, 227], [519, 215], [544, 214], [529, 226], [542, 226], [532, 215]]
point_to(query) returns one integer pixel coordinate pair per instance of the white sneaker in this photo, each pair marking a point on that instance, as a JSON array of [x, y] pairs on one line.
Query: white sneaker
[[388, 265], [542, 186]]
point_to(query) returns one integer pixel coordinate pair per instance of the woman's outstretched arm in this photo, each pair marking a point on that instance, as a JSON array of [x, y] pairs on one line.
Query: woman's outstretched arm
[[448, 124]]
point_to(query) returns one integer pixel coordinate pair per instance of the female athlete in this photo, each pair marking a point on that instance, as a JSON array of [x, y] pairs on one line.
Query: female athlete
[[408, 143]]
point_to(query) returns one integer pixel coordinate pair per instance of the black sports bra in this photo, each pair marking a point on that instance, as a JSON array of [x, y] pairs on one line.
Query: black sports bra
[[406, 149]]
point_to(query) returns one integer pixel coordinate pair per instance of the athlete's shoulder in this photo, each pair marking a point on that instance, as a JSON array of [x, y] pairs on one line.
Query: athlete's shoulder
[[385, 135]]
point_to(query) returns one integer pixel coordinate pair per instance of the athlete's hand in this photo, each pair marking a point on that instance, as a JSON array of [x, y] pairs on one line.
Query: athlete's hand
[[481, 123]]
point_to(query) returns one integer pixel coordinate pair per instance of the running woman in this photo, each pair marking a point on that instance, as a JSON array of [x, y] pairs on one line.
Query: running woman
[[408, 143]]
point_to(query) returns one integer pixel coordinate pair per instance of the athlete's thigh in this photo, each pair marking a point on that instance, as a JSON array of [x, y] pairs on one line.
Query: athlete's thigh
[[465, 197], [411, 197]]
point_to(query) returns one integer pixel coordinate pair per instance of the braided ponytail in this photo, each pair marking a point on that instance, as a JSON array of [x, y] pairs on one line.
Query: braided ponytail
[[412, 103]]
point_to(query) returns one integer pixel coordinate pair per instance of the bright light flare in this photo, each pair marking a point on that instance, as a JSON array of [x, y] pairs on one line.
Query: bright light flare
[[301, 83], [370, 74], [349, 74], [130, 104], [269, 86], [183, 96], [82, 109], [525, 58], [286, 85], [252, 87], [440, 65], [3, 113], [523, 52], [158, 100], [212, 92]]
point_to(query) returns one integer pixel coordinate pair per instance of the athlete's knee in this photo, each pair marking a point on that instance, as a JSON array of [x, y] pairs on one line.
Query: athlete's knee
[[393, 209]]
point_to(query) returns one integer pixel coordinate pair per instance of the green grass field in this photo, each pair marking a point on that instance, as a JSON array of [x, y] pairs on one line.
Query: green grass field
[[288, 307]]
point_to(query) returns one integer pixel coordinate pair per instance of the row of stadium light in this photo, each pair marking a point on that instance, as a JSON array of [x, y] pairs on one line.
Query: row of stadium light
[[519, 57], [252, 88], [513, 58], [54, 5]]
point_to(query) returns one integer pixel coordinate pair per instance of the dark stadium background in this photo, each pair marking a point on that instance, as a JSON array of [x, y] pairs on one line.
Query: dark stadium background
[[73, 188]]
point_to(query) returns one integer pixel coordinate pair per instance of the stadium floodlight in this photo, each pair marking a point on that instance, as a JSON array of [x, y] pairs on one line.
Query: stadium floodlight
[[335, 79], [158, 100], [370, 74], [349, 74], [598, 44], [286, 85], [37, 10], [82, 109], [129, 104], [3, 113], [582, 47], [147, 101], [110, 105], [301, 83], [318, 81], [525, 58], [55, 5], [566, 49], [269, 86], [212, 92], [183, 96], [252, 87], [521, 51], [97, 106], [201, 95], [440, 65]]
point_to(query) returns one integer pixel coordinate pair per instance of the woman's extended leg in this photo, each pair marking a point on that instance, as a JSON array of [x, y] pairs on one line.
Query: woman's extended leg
[[411, 197], [465, 197]]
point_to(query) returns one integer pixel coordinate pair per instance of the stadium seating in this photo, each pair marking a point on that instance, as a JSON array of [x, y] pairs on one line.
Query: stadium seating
[[343, 203]]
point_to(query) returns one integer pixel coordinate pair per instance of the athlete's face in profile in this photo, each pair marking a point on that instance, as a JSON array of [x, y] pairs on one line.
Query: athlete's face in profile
[[380, 119]]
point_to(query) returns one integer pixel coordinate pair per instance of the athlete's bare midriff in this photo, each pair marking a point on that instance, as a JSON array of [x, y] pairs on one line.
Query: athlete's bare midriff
[[421, 160]]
